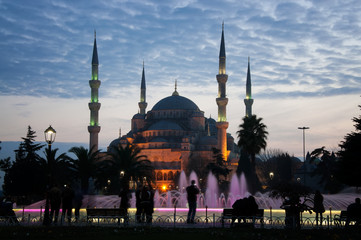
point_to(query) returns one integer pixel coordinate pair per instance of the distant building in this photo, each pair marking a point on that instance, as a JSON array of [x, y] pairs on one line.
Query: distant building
[[175, 134]]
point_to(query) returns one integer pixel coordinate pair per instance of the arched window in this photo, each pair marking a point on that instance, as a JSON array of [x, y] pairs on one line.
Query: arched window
[[159, 176], [170, 176]]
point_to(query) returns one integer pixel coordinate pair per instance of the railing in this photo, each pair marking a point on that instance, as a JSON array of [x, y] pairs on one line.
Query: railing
[[176, 221]]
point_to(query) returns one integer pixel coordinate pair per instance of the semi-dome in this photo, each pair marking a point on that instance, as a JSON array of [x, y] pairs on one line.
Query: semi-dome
[[175, 102]]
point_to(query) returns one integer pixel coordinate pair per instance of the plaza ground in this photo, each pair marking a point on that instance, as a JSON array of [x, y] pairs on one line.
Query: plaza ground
[[150, 233]]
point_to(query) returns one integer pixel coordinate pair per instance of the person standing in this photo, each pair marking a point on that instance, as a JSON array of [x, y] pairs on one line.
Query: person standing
[[67, 202], [55, 201], [318, 207], [192, 192]]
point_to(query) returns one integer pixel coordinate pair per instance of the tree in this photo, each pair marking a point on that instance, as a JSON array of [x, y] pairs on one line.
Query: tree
[[24, 176], [326, 168], [56, 170], [85, 165], [125, 164], [252, 136], [350, 156], [218, 167], [280, 163]]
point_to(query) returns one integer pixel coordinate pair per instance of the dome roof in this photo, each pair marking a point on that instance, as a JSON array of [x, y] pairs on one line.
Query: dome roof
[[165, 125], [138, 116], [175, 102]]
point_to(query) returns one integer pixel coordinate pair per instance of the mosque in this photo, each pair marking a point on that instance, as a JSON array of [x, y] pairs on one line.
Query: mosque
[[175, 133]]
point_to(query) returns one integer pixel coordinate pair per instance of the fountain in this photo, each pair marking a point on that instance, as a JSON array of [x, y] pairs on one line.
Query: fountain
[[211, 198]]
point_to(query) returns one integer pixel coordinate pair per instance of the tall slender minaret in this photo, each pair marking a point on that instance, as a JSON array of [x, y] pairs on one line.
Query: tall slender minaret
[[94, 105], [248, 101], [142, 104], [222, 101]]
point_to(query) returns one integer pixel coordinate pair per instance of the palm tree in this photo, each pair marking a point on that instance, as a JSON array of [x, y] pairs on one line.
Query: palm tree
[[252, 136], [85, 165], [55, 169], [125, 164]]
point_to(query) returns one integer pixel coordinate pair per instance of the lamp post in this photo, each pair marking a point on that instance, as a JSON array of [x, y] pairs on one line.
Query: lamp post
[[50, 134], [304, 155]]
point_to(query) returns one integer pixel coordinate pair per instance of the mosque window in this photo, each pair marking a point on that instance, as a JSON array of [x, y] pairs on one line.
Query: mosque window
[[159, 176], [170, 176]]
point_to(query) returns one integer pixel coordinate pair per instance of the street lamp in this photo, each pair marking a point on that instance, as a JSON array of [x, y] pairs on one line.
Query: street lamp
[[271, 175], [50, 134], [304, 155]]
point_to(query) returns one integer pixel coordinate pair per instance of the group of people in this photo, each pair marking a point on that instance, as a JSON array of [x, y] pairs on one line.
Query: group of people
[[6, 209], [66, 199], [144, 204], [244, 207]]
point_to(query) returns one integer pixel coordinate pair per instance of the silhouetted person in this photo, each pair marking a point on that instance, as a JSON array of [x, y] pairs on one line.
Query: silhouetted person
[[318, 207], [147, 203], [251, 206], [78, 200], [239, 207], [354, 212], [192, 192], [124, 202], [55, 201], [6, 210], [67, 202], [246, 207], [292, 208], [137, 203]]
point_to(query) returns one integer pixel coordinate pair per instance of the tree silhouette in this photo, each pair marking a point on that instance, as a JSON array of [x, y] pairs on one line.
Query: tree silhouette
[[56, 170], [326, 168], [350, 161], [84, 166], [24, 177], [125, 163], [252, 136]]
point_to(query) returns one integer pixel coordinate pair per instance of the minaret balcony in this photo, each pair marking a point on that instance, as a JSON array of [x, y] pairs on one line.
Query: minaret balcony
[[222, 78], [94, 83], [94, 106], [222, 101]]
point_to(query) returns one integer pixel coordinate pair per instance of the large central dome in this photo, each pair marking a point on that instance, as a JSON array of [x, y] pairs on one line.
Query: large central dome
[[175, 102]]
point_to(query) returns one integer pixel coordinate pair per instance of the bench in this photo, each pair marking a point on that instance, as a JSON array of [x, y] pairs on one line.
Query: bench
[[228, 214], [106, 213], [340, 220]]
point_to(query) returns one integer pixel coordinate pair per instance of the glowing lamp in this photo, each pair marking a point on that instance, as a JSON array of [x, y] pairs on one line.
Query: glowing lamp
[[164, 187], [50, 134]]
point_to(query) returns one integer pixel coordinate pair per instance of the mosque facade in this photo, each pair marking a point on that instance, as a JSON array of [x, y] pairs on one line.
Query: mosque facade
[[175, 135]]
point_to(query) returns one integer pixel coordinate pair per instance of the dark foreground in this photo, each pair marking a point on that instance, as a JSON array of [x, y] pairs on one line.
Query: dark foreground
[[147, 233]]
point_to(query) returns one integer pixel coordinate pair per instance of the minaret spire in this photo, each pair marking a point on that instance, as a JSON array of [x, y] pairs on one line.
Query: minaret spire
[[222, 100], [248, 101], [142, 104], [94, 104]]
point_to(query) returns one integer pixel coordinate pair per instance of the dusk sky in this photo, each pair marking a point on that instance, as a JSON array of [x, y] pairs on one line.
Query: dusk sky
[[305, 64]]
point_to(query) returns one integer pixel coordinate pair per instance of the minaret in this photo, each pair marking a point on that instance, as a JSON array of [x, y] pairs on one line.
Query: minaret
[[142, 104], [94, 105], [222, 101], [248, 101]]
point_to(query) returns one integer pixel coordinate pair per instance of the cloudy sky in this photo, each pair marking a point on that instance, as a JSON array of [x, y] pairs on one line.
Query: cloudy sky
[[305, 64]]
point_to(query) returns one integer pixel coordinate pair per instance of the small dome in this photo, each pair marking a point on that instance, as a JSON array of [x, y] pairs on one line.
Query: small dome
[[138, 116], [165, 125], [175, 102]]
